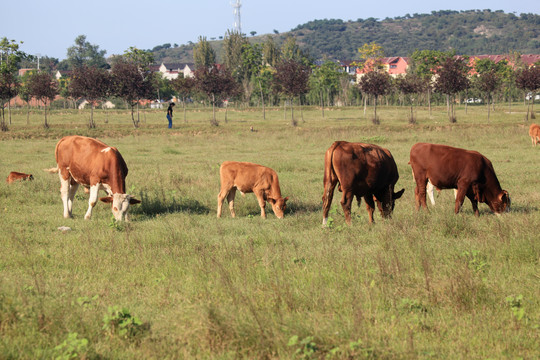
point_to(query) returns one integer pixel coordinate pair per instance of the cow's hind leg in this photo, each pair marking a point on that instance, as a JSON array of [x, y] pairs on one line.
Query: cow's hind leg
[[221, 197], [346, 203], [64, 193], [94, 189], [230, 200], [71, 195], [328, 195]]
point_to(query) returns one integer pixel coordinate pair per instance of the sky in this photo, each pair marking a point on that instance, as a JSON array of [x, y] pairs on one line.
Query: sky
[[49, 28]]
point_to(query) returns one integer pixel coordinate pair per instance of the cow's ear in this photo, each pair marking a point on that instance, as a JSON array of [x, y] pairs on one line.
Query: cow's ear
[[287, 198], [503, 196], [398, 194], [107, 199], [134, 201]]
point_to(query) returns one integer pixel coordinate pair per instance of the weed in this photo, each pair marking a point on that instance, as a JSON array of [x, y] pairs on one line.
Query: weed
[[72, 348], [305, 348], [119, 321]]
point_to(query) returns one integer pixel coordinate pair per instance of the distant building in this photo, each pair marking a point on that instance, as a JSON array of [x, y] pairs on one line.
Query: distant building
[[173, 70]]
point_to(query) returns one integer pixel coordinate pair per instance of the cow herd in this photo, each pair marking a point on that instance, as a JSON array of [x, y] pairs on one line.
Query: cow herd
[[362, 170]]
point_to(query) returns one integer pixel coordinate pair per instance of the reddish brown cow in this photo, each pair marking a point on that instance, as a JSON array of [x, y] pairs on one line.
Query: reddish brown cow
[[534, 133], [91, 163], [248, 177], [469, 172], [362, 170], [14, 176]]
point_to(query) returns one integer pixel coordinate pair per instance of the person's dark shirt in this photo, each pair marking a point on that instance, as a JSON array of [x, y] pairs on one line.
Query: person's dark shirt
[[170, 110]]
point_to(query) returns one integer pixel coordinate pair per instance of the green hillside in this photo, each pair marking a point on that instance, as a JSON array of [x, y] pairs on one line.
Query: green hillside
[[472, 32]]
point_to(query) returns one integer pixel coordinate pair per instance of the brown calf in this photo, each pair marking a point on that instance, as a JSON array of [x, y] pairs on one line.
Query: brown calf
[[248, 177], [14, 176]]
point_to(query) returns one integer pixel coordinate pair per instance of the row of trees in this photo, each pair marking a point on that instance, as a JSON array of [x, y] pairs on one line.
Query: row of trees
[[265, 74]]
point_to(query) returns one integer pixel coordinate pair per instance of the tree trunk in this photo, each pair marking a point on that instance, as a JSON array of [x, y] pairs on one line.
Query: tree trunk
[[45, 125], [184, 105], [9, 110], [429, 101], [262, 99], [27, 113], [92, 125], [322, 103]]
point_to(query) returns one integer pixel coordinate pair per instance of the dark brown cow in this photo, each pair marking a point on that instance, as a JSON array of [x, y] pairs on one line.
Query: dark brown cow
[[534, 133], [14, 176], [248, 177], [469, 172], [362, 170], [91, 163]]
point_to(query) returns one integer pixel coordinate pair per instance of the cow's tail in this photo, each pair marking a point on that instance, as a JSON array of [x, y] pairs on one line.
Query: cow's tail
[[329, 172], [53, 170]]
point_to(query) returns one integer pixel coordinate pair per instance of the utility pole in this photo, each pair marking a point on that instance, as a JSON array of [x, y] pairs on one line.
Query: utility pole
[[237, 21]]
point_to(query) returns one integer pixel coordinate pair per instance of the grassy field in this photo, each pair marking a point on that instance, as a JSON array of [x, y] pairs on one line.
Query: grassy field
[[178, 283]]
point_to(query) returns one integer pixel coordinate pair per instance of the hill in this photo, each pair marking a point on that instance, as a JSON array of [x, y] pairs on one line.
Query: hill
[[471, 32]]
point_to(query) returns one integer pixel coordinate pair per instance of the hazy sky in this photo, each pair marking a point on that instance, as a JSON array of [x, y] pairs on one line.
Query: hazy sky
[[50, 27]]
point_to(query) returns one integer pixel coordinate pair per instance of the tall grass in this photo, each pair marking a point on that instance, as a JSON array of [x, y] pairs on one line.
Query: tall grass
[[420, 285]]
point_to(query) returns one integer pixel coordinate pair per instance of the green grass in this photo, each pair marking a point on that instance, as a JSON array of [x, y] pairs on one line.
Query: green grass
[[421, 285]]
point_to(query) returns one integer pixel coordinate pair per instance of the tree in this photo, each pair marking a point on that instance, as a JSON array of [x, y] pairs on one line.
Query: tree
[[10, 57], [528, 80], [487, 82], [291, 51], [410, 85], [425, 64], [291, 80], [84, 53], [252, 62], [451, 79], [375, 83], [217, 83], [43, 87], [233, 46], [325, 81], [92, 84], [264, 79], [184, 87], [271, 53], [203, 54], [132, 84]]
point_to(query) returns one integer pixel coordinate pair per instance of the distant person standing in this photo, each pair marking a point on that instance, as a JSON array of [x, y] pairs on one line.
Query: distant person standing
[[169, 114]]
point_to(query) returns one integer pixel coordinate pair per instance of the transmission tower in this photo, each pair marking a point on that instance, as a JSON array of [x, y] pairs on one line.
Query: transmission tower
[[237, 23]]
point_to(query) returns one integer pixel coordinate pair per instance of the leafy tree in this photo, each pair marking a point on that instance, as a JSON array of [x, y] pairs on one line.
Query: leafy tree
[[203, 54], [271, 53], [252, 62], [410, 86], [291, 80], [184, 87], [217, 83], [84, 53], [264, 79], [92, 84], [132, 84], [10, 57], [451, 79], [43, 87], [233, 47], [528, 80], [291, 51], [325, 81], [425, 64], [375, 83], [487, 80]]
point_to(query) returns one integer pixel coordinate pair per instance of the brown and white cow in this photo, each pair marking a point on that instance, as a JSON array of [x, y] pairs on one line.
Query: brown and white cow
[[470, 172], [362, 170], [95, 165], [14, 176], [248, 177], [534, 133]]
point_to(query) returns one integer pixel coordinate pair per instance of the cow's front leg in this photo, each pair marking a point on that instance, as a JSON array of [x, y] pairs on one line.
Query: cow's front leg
[[370, 207], [346, 202], [262, 203], [94, 189]]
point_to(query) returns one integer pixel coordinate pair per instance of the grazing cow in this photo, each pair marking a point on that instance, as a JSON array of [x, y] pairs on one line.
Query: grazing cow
[[534, 133], [248, 177], [362, 170], [431, 190], [91, 163], [14, 176], [469, 172]]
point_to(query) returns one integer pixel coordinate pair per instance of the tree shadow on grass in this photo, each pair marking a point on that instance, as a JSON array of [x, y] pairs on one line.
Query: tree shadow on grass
[[152, 206]]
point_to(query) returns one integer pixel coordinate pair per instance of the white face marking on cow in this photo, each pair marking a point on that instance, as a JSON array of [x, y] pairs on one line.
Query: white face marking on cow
[[120, 206], [106, 149]]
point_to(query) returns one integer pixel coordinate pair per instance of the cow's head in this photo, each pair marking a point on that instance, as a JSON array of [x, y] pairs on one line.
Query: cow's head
[[502, 203], [278, 206], [386, 205], [120, 204]]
